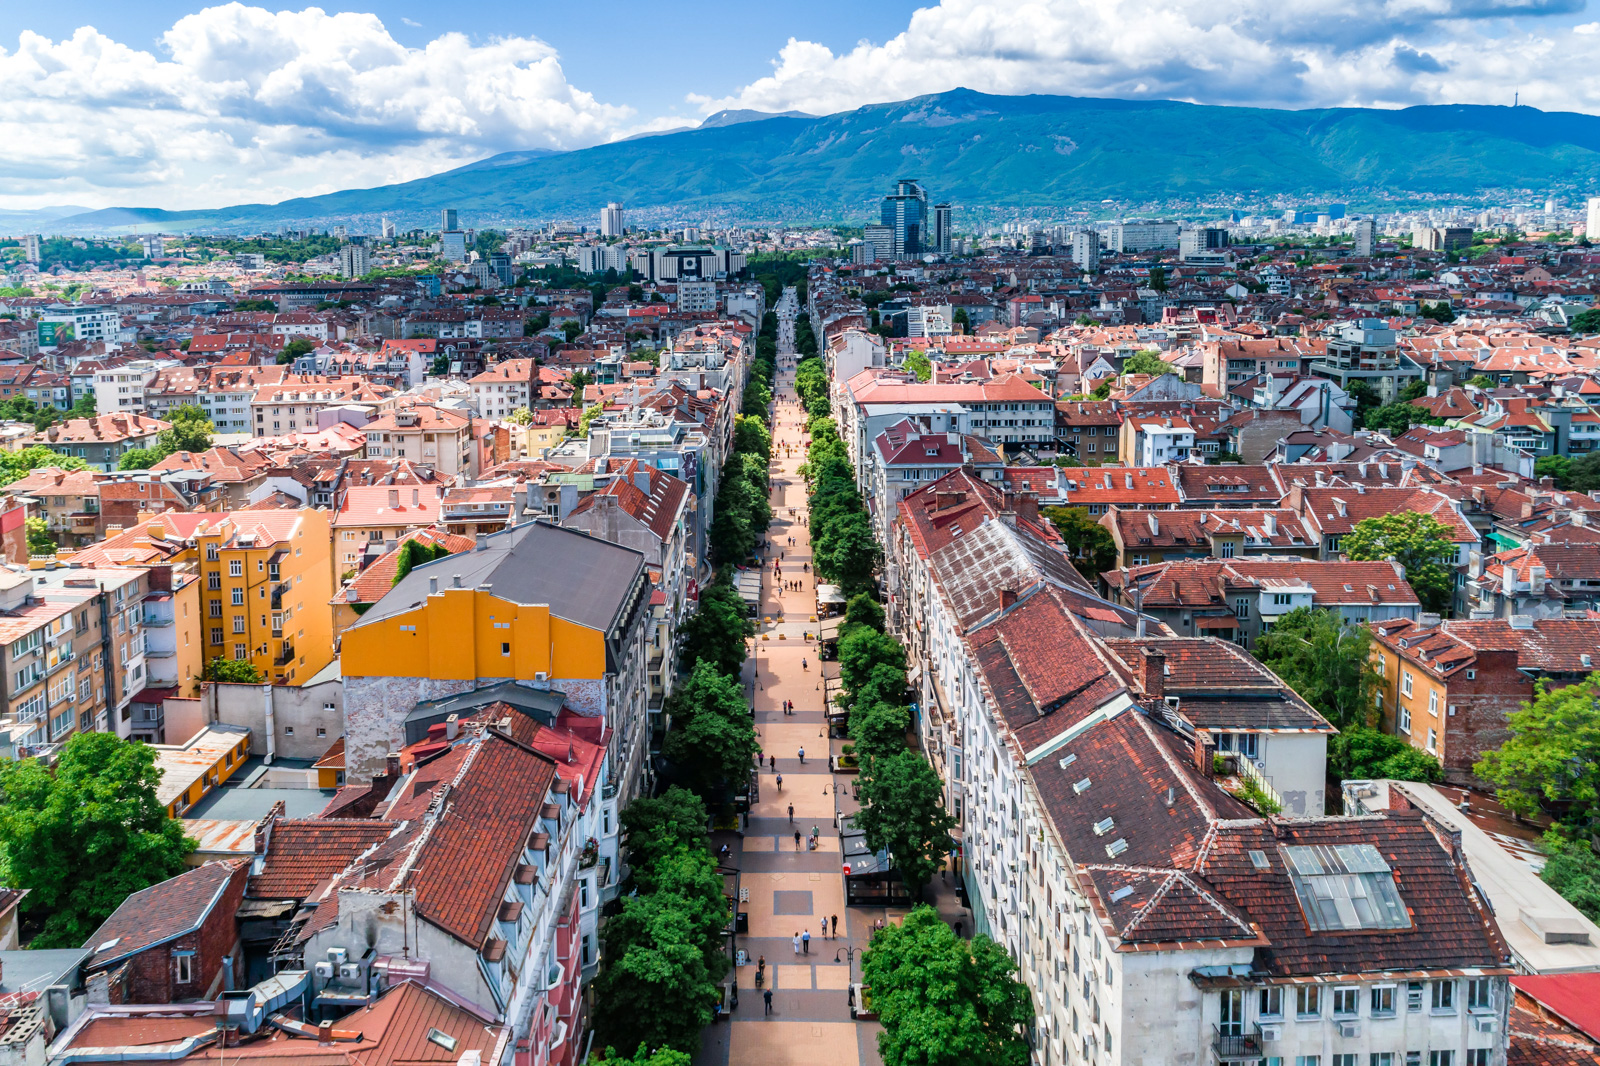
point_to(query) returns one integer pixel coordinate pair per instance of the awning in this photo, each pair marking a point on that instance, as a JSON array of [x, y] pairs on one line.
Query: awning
[[1212, 621]]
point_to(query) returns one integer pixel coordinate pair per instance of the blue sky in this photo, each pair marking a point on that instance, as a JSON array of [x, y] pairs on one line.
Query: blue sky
[[185, 105]]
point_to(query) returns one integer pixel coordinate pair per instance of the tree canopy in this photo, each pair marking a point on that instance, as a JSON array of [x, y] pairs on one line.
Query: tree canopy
[[944, 1001], [1146, 362], [1327, 662], [1551, 760], [902, 809], [18, 464], [1091, 546], [712, 743], [918, 364], [717, 631], [81, 839], [1418, 542]]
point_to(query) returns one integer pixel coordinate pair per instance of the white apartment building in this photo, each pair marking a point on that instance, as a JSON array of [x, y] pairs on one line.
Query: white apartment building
[[697, 295], [60, 323], [121, 388], [504, 388]]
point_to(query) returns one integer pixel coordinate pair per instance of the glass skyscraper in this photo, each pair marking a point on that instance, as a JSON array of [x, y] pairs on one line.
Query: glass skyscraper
[[905, 212]]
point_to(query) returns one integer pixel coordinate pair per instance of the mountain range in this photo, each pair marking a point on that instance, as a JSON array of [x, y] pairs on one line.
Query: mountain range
[[975, 150]]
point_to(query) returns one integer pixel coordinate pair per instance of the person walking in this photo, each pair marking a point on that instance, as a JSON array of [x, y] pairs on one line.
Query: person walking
[[797, 943], [780, 782], [773, 762], [797, 840], [791, 814], [836, 927], [766, 997], [802, 756], [805, 939]]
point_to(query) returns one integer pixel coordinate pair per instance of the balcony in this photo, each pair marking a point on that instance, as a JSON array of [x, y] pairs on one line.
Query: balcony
[[151, 621], [1236, 1046], [286, 656], [277, 595]]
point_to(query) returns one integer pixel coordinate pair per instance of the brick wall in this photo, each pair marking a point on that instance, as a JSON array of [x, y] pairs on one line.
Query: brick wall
[[151, 976], [1481, 706]]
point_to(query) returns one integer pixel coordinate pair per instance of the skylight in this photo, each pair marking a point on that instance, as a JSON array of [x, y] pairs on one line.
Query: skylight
[[1345, 887], [1117, 847], [1080, 787], [1103, 826], [1258, 859], [1122, 893]]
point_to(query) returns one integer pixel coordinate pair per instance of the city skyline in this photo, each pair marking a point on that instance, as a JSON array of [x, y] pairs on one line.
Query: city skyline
[[183, 106]]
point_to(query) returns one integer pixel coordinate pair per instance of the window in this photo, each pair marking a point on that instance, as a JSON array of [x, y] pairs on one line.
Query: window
[[185, 969], [321, 732], [214, 581], [1231, 1018], [1405, 682], [240, 652], [583, 891], [1381, 1058], [238, 597], [235, 568], [1306, 1060], [1241, 608], [505, 648], [1441, 1058], [238, 623], [1382, 1000], [1444, 996], [216, 634], [288, 730], [1480, 994], [1478, 1056], [1472, 675], [1405, 720], [1346, 1002], [1413, 997], [1281, 599], [1227, 549], [1433, 740], [1271, 1003], [1344, 1060], [1308, 1001], [1433, 703]]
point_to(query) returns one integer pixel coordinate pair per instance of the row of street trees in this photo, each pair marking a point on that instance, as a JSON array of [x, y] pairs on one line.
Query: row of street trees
[[664, 953], [844, 550]]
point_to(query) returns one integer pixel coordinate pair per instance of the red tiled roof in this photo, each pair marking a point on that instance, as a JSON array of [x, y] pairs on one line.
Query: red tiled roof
[[303, 853]]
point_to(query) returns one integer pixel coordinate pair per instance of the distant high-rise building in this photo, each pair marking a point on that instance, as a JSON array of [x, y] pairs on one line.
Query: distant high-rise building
[[453, 245], [341, 232], [1202, 239], [447, 220], [905, 212], [611, 221], [500, 265], [1142, 235], [881, 240], [154, 246], [388, 230], [1086, 250], [1441, 238], [943, 215], [1592, 228], [30, 244], [1366, 238], [354, 260]]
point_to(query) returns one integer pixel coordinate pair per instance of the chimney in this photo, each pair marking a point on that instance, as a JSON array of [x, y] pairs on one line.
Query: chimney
[[1008, 596], [325, 1032], [391, 765], [1153, 674], [1270, 523], [1297, 498], [1203, 745]]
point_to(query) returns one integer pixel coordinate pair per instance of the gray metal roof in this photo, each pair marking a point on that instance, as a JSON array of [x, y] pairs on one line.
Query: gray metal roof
[[583, 579]]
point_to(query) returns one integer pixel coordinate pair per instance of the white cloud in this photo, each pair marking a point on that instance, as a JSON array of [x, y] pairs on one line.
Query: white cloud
[[243, 104], [1281, 53], [410, 22]]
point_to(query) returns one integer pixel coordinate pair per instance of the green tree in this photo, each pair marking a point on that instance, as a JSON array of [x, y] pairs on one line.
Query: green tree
[[1551, 760], [1585, 322], [1327, 662], [850, 554], [657, 826], [713, 738], [1091, 546], [40, 542], [902, 809], [1103, 390], [81, 839], [1481, 381], [863, 609], [655, 988], [1146, 362], [571, 331], [861, 650], [520, 417], [1362, 753], [1158, 279], [717, 631], [17, 464], [944, 1001], [643, 1057], [1584, 474], [1573, 869], [1558, 467], [963, 320], [295, 349], [232, 671], [139, 459], [1366, 398], [191, 432], [1418, 542], [878, 730], [751, 436], [590, 413], [918, 364]]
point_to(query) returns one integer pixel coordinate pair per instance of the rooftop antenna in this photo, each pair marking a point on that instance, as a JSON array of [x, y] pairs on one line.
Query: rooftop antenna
[[1515, 97]]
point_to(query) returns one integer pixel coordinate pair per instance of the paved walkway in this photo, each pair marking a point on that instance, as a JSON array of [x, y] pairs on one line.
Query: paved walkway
[[790, 890]]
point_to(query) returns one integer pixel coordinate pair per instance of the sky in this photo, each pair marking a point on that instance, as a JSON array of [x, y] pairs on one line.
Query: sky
[[189, 105]]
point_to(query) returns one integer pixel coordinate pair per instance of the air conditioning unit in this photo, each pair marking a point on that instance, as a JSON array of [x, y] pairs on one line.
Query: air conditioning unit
[[337, 956], [1272, 1032], [350, 971], [1349, 1028], [540, 675], [1483, 1023], [325, 970]]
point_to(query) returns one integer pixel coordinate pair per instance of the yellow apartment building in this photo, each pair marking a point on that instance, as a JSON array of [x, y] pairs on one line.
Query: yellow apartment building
[[557, 610], [266, 577]]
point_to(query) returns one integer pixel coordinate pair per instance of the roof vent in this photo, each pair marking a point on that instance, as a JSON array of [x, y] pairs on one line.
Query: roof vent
[[1080, 787]]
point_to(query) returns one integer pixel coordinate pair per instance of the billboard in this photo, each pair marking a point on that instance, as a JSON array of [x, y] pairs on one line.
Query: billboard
[[55, 334]]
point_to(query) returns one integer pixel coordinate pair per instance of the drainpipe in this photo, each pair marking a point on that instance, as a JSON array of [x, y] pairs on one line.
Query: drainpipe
[[271, 722]]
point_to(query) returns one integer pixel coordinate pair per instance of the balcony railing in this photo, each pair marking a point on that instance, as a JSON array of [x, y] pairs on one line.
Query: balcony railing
[[1236, 1046], [285, 656]]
